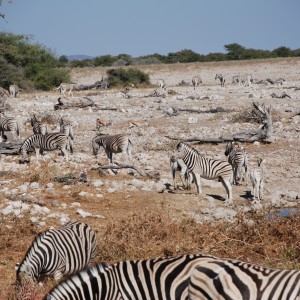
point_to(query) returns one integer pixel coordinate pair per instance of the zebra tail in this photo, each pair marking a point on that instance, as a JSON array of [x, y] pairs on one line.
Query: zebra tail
[[18, 131], [70, 141]]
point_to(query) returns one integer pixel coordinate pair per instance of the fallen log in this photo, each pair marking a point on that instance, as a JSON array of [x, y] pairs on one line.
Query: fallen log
[[117, 166], [213, 110], [10, 147], [71, 103]]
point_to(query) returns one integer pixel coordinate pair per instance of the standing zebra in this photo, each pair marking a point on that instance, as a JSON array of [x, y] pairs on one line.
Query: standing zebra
[[238, 158], [38, 125], [67, 87], [196, 80], [153, 279], [245, 79], [208, 168], [14, 90], [161, 84], [58, 252], [40, 143], [257, 179], [221, 78], [119, 143], [185, 176], [67, 128], [9, 124], [222, 279]]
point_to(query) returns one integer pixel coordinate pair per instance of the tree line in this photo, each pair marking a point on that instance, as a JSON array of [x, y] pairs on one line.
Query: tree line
[[33, 66]]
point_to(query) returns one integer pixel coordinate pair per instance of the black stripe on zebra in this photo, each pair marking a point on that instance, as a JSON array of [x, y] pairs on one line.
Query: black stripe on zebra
[[208, 168], [48, 142], [232, 279], [58, 252], [119, 143], [9, 124], [238, 158], [161, 278]]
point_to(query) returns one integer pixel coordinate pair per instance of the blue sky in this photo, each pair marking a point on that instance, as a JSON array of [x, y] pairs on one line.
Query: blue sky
[[141, 27]]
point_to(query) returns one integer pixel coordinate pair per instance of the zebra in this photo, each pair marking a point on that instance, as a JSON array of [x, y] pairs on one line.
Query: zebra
[[59, 252], [38, 125], [208, 168], [185, 176], [238, 158], [10, 124], [65, 87], [161, 84], [47, 142], [119, 143], [196, 80], [245, 79], [14, 90], [257, 179], [223, 279], [160, 278], [67, 128], [221, 78]]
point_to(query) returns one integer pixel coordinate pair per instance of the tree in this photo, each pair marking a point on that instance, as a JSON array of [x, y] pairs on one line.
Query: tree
[[282, 52], [234, 51]]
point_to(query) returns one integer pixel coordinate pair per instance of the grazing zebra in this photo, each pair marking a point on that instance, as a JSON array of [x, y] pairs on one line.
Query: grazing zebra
[[245, 79], [152, 279], [238, 158], [222, 279], [59, 252], [161, 84], [14, 90], [257, 179], [208, 168], [119, 143], [38, 125], [47, 142], [67, 128], [196, 80], [65, 87], [221, 78], [9, 124], [185, 176]]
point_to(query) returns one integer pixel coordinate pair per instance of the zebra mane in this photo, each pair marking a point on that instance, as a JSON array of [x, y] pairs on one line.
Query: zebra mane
[[181, 144]]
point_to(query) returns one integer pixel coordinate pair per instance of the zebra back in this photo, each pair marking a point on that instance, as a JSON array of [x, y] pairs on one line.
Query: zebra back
[[162, 278], [232, 279], [58, 252]]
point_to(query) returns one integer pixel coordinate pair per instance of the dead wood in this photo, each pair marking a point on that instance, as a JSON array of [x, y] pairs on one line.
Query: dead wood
[[155, 93], [10, 147], [213, 110], [283, 95], [264, 134], [117, 166], [70, 103]]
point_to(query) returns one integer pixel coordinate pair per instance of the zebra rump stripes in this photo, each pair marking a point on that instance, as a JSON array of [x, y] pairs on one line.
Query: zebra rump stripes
[[118, 143], [9, 124], [48, 142], [58, 252], [162, 278], [208, 168], [220, 279]]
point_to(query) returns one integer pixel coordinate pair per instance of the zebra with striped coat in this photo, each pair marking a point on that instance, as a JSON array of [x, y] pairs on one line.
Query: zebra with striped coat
[[185, 176], [221, 78], [161, 84], [47, 142], [238, 158], [196, 80], [223, 279], [38, 126], [119, 143], [9, 124], [155, 279], [67, 128], [208, 168], [257, 180], [14, 90], [59, 252]]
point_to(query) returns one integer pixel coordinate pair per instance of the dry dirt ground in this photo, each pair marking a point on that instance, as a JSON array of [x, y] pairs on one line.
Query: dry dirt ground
[[31, 200]]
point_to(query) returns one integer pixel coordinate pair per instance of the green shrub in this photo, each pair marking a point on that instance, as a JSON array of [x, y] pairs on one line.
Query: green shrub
[[122, 77]]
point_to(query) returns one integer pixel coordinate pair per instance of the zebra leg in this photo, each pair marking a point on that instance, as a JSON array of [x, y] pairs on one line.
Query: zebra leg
[[228, 187], [37, 153], [183, 177], [261, 190], [65, 153], [197, 182]]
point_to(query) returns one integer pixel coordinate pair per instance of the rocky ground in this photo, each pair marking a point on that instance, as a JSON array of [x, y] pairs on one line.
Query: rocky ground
[[32, 195]]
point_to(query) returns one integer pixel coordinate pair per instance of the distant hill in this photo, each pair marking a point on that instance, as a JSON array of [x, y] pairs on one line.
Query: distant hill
[[79, 57]]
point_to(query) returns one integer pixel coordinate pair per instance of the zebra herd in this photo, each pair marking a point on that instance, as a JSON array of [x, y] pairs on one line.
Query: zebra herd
[[69, 253]]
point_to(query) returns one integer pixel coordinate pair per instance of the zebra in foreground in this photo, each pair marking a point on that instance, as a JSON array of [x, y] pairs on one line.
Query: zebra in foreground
[[185, 176], [14, 90], [238, 158], [155, 279], [208, 168], [221, 78], [59, 252], [9, 124], [40, 143], [38, 125], [223, 279], [119, 143], [257, 179], [196, 80], [67, 128]]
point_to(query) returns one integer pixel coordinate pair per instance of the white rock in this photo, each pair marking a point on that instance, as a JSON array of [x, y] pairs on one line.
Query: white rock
[[83, 213]]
